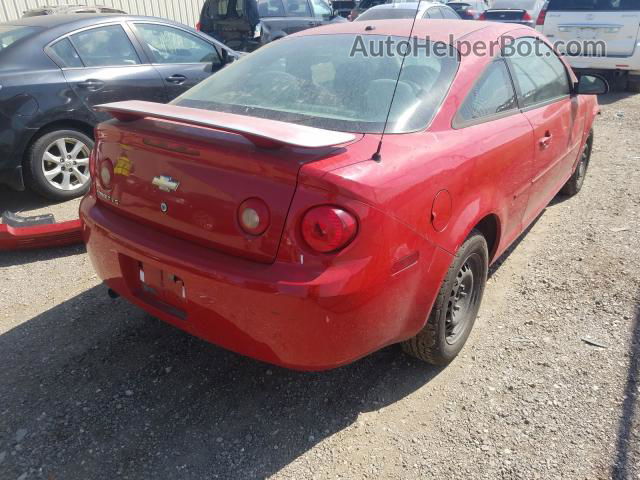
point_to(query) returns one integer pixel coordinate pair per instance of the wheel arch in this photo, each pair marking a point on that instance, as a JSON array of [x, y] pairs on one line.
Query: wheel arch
[[489, 227], [65, 124]]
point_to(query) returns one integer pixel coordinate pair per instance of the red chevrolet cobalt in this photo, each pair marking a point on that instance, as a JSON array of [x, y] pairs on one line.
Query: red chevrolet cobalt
[[316, 201]]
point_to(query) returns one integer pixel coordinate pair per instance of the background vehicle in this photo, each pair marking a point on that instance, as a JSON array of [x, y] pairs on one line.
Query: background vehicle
[[244, 25], [524, 12], [468, 10], [56, 68], [67, 9], [616, 22], [287, 229], [394, 11]]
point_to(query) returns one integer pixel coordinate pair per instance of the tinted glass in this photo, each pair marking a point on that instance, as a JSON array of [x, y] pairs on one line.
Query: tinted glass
[[594, 5], [433, 12], [297, 8], [386, 14], [327, 87], [540, 75], [105, 46], [270, 8], [65, 52], [10, 34], [491, 95], [219, 9], [170, 45]]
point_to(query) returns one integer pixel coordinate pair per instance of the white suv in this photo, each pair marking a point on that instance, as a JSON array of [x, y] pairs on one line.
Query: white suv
[[596, 34]]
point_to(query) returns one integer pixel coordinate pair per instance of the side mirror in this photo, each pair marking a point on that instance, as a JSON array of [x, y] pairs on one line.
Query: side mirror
[[591, 85]]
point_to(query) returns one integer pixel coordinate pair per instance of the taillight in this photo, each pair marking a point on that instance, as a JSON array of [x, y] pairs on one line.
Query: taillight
[[105, 174], [198, 26], [327, 229], [541, 17], [482, 16], [253, 216], [526, 17]]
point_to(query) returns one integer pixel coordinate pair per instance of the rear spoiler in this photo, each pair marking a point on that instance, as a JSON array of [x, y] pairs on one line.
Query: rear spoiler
[[261, 132]]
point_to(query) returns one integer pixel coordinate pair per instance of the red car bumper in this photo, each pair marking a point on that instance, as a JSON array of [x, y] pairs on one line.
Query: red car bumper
[[54, 235], [280, 313]]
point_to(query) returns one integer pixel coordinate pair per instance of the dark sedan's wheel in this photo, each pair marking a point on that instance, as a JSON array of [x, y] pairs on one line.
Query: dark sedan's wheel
[[574, 184], [456, 306], [57, 164]]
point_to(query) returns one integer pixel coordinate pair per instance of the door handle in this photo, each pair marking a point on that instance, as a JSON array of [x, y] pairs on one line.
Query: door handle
[[177, 79], [546, 140], [311, 24], [91, 84]]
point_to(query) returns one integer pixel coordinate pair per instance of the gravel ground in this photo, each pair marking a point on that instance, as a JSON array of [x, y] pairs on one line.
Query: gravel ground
[[547, 387]]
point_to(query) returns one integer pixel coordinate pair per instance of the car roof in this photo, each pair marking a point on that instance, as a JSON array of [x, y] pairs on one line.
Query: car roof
[[437, 30], [73, 21]]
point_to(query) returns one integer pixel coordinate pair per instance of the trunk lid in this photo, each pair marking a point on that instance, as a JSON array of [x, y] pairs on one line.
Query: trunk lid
[[189, 180], [506, 15], [619, 30]]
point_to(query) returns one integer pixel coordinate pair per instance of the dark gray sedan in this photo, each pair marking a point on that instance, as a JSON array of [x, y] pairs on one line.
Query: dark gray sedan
[[55, 68]]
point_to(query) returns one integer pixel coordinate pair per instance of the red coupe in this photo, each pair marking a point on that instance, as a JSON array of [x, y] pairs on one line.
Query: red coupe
[[314, 201]]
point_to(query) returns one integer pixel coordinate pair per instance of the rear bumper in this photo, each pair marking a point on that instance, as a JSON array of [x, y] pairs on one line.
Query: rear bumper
[[282, 313], [44, 236]]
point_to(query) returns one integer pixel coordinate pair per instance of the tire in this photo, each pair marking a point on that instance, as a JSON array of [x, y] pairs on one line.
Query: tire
[[441, 339], [574, 184], [72, 178]]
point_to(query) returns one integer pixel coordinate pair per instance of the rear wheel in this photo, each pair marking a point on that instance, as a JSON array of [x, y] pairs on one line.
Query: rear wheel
[[574, 184], [57, 164], [456, 307]]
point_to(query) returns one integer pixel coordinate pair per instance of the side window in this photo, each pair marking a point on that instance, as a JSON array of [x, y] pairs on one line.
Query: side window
[[538, 72], [298, 8], [434, 12], [170, 45], [491, 95], [270, 8], [67, 54], [105, 47], [321, 8]]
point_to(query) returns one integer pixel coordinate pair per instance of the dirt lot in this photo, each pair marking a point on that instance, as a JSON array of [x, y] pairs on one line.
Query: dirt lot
[[92, 388]]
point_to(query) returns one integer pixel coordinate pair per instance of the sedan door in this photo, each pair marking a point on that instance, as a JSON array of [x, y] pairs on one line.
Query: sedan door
[[544, 91], [108, 68], [181, 58], [502, 143], [298, 16]]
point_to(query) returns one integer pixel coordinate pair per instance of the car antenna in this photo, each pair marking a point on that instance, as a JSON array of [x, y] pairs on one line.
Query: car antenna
[[376, 157]]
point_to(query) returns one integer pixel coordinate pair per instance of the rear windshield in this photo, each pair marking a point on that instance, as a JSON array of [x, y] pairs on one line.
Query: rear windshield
[[329, 88], [10, 34], [513, 4], [594, 5], [386, 14], [223, 9]]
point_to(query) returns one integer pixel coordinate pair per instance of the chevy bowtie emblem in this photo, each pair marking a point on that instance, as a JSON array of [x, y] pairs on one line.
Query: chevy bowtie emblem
[[165, 183]]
